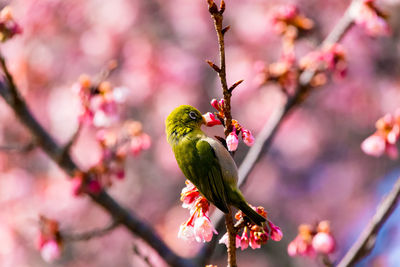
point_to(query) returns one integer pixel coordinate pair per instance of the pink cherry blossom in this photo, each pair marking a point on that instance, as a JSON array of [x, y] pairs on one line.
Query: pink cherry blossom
[[186, 232], [300, 247], [394, 134], [198, 227], [242, 241], [384, 140], [312, 240], [139, 143], [254, 244], [331, 57], [8, 26], [368, 16], [99, 101], [285, 18], [189, 195], [203, 229], [252, 234]]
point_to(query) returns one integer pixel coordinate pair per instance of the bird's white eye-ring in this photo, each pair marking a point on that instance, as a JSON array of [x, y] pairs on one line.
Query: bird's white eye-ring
[[192, 115]]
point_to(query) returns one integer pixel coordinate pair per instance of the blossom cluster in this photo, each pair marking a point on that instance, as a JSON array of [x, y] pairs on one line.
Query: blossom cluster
[[250, 234], [49, 239], [312, 240], [287, 20], [329, 58], [286, 71], [99, 101], [384, 140], [115, 147], [232, 140], [198, 227], [366, 14], [8, 26]]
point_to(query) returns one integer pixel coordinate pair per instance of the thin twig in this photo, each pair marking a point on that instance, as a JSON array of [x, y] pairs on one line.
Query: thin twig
[[145, 258], [366, 241], [17, 148], [233, 86], [90, 234], [326, 261], [67, 147], [266, 135], [217, 16], [43, 139], [106, 72]]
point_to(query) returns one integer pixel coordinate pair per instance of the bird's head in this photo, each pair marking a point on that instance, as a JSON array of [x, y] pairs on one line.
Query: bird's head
[[182, 120]]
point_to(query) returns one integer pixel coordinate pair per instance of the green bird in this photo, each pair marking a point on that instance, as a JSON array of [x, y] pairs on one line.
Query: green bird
[[205, 161]]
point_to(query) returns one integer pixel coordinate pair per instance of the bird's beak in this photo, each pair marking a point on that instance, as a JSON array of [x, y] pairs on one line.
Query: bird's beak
[[204, 119]]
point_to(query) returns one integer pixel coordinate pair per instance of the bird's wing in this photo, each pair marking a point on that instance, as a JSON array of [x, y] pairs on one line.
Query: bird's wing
[[211, 184]]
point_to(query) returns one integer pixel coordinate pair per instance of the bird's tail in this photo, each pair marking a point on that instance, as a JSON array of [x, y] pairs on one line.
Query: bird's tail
[[252, 214]]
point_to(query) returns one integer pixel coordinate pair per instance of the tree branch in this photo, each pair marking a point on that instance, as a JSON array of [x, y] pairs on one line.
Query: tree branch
[[42, 138], [265, 137], [366, 241], [90, 234]]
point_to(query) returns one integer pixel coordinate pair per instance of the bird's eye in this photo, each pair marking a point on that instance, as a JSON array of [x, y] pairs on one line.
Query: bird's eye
[[192, 115]]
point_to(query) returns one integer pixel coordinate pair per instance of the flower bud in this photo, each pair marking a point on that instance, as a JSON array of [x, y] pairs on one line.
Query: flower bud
[[247, 137], [50, 251], [221, 104], [324, 226], [292, 249], [276, 232], [374, 145], [232, 141], [323, 243], [214, 103], [93, 187]]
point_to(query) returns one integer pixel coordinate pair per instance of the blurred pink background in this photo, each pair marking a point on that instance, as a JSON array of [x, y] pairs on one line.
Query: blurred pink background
[[314, 171]]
